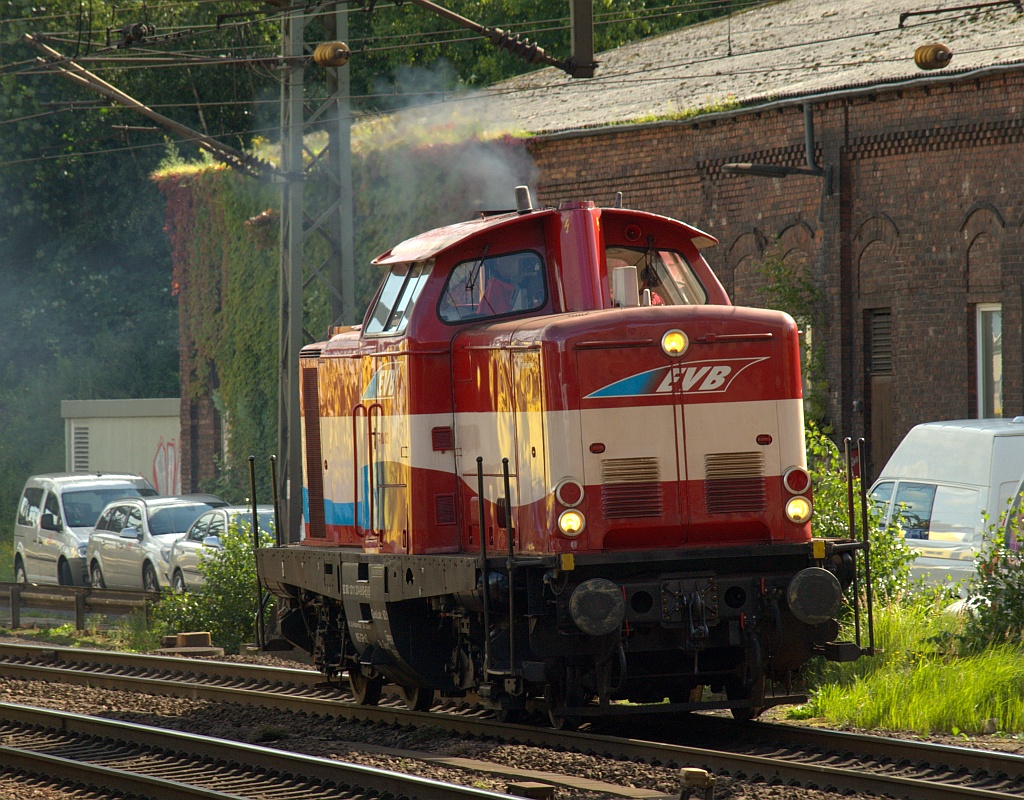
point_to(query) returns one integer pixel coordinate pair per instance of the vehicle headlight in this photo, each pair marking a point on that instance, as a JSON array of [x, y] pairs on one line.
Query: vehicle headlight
[[82, 550], [798, 509], [674, 343], [571, 522], [165, 553]]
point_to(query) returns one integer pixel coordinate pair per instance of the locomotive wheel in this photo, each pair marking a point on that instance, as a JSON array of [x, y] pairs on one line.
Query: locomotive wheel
[[735, 691], [365, 689], [562, 693], [417, 698]]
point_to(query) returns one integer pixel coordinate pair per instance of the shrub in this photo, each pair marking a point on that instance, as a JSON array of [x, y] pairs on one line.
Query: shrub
[[996, 604], [226, 606], [890, 555]]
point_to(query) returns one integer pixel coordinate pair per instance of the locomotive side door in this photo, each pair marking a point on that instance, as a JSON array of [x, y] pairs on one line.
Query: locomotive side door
[[381, 479], [532, 484]]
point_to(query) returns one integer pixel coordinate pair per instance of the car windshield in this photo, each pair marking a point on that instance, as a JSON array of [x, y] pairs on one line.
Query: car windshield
[[82, 507], [175, 519]]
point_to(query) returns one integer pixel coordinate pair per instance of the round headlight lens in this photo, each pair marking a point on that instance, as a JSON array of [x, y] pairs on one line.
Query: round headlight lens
[[83, 549], [165, 553], [796, 480], [674, 343], [571, 522], [798, 509]]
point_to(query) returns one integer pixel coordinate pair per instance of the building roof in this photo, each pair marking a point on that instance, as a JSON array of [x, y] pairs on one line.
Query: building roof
[[788, 49]]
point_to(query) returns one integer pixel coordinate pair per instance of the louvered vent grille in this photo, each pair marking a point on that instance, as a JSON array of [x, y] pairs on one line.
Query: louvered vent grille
[[880, 351], [734, 482], [80, 448], [444, 505], [631, 487]]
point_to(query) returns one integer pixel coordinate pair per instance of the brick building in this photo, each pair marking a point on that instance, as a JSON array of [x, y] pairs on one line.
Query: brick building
[[914, 232]]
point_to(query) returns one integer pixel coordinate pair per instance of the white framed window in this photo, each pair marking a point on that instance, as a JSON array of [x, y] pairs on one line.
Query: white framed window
[[990, 359]]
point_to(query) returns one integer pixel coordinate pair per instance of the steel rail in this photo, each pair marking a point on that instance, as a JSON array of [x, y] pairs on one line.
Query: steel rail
[[206, 751], [788, 767], [60, 770]]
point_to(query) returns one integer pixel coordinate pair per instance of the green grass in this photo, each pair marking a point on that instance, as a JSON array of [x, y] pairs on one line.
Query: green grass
[[919, 682]]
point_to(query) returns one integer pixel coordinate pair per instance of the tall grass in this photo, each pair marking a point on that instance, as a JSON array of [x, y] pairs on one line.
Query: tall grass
[[920, 681]]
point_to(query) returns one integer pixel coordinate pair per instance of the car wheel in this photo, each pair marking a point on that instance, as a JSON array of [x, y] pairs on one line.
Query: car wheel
[[64, 576], [96, 576], [20, 576], [178, 582], [149, 581]]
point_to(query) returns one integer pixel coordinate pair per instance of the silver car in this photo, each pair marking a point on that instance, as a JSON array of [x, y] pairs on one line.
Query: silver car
[[55, 515], [203, 539], [131, 543]]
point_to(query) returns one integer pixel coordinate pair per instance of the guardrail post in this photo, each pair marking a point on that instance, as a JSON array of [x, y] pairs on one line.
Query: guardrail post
[[15, 607], [80, 609]]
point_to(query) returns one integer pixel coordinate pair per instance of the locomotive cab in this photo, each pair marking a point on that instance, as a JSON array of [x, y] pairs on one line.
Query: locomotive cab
[[555, 462]]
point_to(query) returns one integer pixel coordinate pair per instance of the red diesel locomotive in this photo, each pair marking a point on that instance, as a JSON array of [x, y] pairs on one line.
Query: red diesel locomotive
[[555, 462]]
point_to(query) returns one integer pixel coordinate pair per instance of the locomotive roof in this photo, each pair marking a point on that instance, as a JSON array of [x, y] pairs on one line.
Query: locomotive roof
[[433, 242], [429, 244]]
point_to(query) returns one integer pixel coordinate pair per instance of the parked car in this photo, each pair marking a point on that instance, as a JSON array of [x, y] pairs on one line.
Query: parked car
[[130, 545], [203, 540], [941, 483], [56, 513]]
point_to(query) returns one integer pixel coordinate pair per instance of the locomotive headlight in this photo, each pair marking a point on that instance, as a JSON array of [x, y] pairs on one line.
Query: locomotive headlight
[[571, 522], [798, 509], [674, 343]]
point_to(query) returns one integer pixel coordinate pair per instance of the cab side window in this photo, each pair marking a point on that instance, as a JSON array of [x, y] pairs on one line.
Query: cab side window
[[29, 507], [394, 305]]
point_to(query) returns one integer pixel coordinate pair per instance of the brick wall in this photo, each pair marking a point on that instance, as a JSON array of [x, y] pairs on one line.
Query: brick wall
[[923, 216]]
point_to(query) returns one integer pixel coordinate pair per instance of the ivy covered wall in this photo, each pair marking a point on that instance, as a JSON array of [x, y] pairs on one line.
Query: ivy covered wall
[[224, 233]]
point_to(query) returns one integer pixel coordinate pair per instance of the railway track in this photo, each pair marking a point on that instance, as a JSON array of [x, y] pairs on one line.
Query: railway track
[[122, 757], [784, 754]]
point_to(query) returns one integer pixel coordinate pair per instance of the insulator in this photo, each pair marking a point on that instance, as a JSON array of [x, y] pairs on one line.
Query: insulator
[[332, 54], [932, 56], [528, 50]]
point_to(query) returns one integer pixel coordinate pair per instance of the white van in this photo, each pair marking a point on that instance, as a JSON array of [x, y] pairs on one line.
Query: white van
[[55, 516], [941, 482]]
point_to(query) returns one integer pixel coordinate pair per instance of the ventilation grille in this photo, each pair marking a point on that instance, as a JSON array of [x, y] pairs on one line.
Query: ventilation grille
[[880, 352], [444, 505], [80, 448], [631, 487], [442, 439], [734, 482]]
